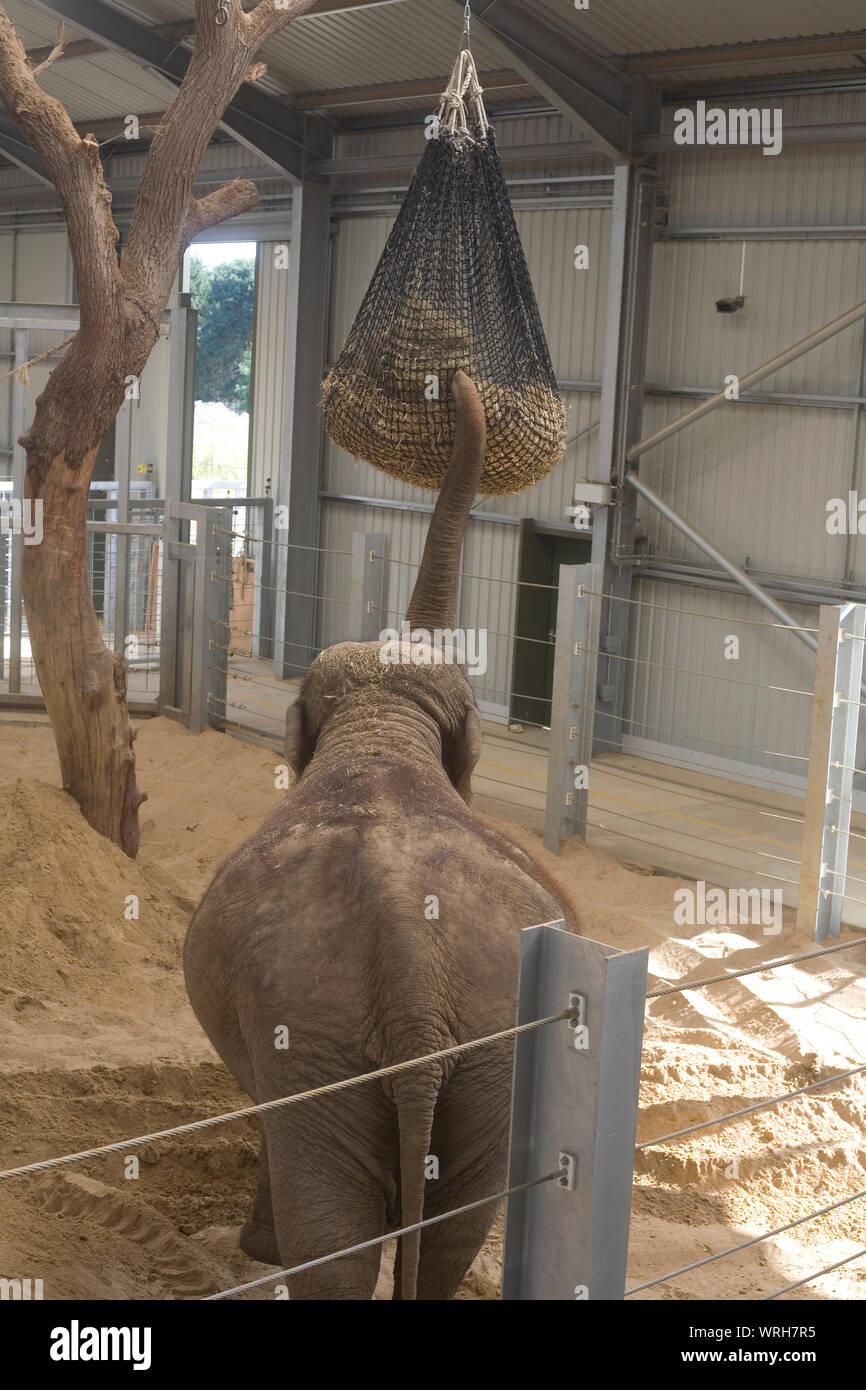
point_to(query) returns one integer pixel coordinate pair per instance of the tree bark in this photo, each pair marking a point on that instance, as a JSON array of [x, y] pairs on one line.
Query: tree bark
[[121, 305]]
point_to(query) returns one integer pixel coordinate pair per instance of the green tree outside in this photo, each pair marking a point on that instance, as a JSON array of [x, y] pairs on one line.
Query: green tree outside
[[224, 296]]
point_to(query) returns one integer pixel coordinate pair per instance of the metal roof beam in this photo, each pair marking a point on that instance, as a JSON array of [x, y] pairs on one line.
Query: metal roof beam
[[396, 91], [86, 48], [14, 148], [285, 138], [510, 154], [587, 89], [773, 50]]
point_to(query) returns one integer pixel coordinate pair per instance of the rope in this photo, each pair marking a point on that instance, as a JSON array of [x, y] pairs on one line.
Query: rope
[[749, 1109], [734, 1249], [22, 373], [380, 1240], [858, 1255], [452, 107], [260, 1109]]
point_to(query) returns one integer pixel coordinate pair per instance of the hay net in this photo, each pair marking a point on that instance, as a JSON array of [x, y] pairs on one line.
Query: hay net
[[451, 291]]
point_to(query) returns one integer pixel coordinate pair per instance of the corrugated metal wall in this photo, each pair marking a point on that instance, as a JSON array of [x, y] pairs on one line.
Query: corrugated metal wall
[[755, 477]]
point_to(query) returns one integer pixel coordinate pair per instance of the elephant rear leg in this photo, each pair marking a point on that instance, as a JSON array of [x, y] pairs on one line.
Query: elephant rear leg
[[470, 1141], [258, 1236], [327, 1194]]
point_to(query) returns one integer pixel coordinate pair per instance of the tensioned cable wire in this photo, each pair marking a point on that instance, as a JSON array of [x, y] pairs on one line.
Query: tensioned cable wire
[[734, 1249], [380, 1240], [680, 788], [483, 578], [688, 613], [264, 1106], [690, 834], [749, 1109], [492, 632], [272, 589], [706, 675], [713, 742], [286, 545], [755, 969], [653, 844], [858, 1255]]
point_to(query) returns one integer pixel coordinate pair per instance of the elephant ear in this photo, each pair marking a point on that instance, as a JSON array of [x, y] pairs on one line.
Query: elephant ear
[[461, 751], [300, 743]]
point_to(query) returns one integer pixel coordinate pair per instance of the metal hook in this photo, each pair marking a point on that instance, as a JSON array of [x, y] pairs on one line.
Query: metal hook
[[222, 13], [467, 17]]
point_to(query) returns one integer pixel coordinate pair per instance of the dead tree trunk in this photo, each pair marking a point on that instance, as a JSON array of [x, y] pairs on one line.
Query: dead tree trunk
[[121, 304]]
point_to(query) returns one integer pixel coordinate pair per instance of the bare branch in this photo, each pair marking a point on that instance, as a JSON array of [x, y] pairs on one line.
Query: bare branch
[[56, 52], [75, 170], [226, 201], [224, 57]]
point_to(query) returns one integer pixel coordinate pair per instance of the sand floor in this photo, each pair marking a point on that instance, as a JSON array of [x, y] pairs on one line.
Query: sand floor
[[97, 1042]]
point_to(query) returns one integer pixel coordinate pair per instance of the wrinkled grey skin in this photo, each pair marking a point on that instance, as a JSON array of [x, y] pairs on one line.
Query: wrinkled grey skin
[[324, 922]]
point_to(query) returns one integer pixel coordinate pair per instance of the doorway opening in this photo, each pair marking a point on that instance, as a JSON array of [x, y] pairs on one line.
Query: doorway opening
[[222, 282], [543, 548]]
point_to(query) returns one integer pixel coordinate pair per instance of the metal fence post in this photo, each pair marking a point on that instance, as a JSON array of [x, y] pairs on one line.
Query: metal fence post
[[21, 340], [575, 1098], [575, 664], [832, 754], [213, 595], [178, 475], [3, 563], [366, 588], [263, 592], [122, 465]]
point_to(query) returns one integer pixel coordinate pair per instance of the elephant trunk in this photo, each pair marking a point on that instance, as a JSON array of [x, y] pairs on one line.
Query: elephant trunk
[[434, 600]]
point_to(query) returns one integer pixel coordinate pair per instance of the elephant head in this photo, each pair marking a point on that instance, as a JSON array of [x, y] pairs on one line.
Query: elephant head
[[353, 687]]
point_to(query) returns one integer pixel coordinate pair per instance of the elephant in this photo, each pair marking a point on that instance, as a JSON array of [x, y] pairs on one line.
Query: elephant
[[371, 920]]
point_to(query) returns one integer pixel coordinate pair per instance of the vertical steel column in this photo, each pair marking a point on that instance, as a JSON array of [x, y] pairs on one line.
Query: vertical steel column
[[263, 593], [575, 665], [122, 465], [832, 753], [178, 483], [298, 484], [213, 599], [4, 551], [21, 347], [574, 1107], [613, 526], [367, 586]]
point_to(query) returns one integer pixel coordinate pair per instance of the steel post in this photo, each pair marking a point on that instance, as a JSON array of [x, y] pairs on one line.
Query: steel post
[[574, 1107], [575, 664], [298, 484], [832, 754], [21, 347], [367, 585]]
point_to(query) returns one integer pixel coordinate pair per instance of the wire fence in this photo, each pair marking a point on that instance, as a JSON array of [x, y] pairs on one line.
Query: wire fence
[[727, 977], [569, 1015], [125, 571], [515, 690], [572, 1016]]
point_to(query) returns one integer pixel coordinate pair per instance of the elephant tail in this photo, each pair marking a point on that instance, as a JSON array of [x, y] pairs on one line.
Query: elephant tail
[[414, 1094]]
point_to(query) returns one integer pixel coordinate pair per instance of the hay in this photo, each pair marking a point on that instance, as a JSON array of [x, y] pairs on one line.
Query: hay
[[451, 292]]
